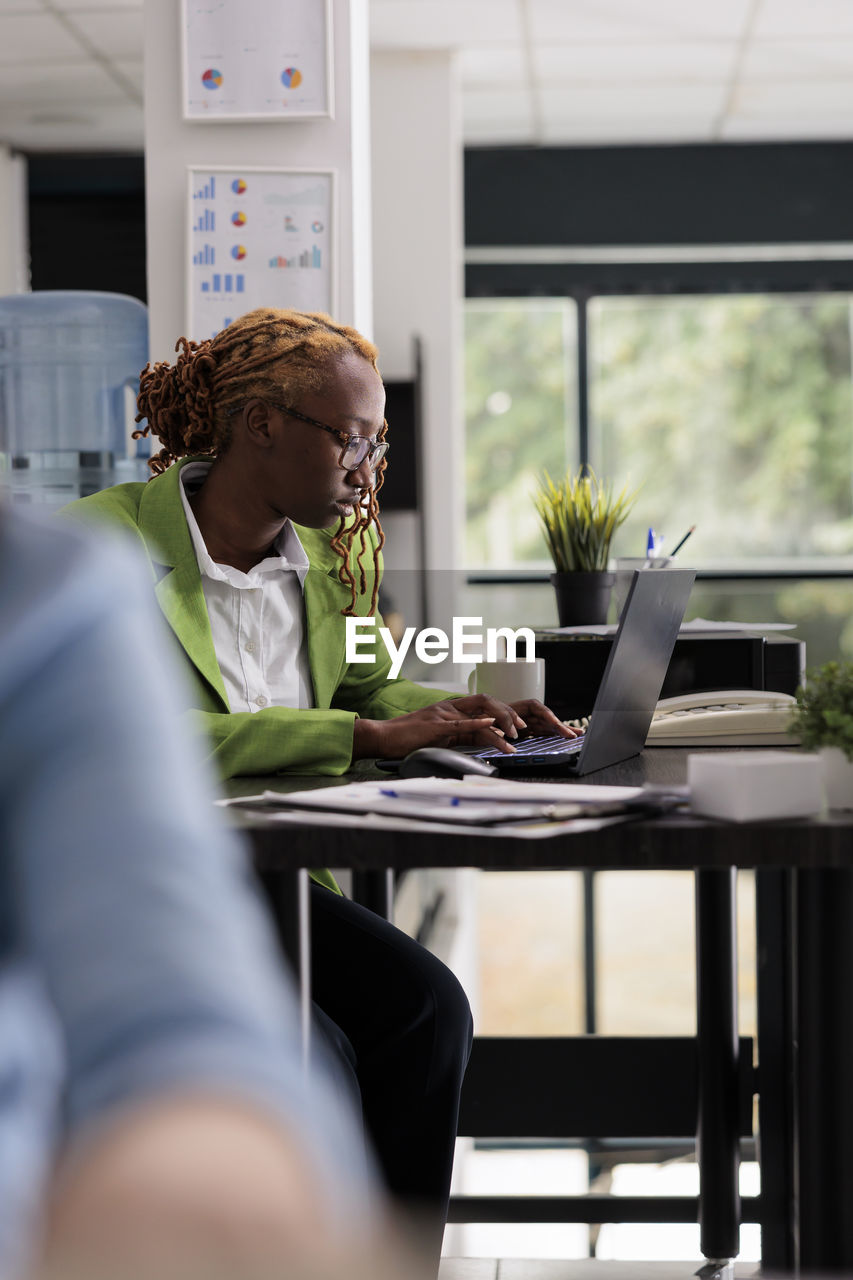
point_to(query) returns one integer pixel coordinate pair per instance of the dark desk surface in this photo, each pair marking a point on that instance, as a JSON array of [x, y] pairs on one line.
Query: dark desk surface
[[672, 841]]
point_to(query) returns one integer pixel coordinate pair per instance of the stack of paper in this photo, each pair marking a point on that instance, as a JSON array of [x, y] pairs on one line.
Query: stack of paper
[[472, 801]]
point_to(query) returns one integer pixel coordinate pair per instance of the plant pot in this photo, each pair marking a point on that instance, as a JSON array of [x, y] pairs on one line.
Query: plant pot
[[837, 772], [582, 597]]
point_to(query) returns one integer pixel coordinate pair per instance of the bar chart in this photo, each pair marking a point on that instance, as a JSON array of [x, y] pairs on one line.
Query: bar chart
[[274, 230], [312, 257], [224, 282]]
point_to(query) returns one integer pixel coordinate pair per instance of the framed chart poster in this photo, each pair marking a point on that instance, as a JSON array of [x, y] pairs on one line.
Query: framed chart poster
[[258, 238], [256, 59]]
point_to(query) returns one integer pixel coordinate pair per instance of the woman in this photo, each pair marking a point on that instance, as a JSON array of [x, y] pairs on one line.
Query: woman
[[263, 538]]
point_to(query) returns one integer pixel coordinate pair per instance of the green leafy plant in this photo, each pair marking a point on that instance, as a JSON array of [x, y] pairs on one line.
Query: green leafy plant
[[823, 716], [580, 516]]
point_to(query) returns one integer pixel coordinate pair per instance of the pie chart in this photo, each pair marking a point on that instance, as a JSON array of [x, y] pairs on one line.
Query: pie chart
[[291, 78], [238, 186], [212, 79], [238, 218], [238, 252]]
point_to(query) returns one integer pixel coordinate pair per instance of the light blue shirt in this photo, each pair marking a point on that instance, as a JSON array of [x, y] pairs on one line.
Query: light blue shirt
[[129, 930]]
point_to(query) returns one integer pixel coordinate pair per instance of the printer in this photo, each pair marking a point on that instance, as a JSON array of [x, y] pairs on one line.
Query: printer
[[574, 666]]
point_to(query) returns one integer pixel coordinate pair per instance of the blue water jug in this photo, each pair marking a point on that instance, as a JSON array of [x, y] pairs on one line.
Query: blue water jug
[[69, 376]]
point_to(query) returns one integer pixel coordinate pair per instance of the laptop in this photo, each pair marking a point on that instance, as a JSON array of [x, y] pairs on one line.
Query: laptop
[[629, 690]]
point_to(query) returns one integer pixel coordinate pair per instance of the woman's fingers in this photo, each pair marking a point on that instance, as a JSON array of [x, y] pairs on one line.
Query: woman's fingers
[[542, 718], [479, 732]]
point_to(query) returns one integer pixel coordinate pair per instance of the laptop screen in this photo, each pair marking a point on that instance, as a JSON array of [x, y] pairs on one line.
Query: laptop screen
[[636, 667]]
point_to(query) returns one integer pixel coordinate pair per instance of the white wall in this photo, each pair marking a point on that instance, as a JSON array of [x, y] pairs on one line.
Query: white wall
[[14, 241], [171, 144], [418, 286]]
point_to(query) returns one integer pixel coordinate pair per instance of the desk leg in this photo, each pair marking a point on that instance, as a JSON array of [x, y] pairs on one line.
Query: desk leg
[[776, 1067], [824, 994], [288, 896], [717, 1038]]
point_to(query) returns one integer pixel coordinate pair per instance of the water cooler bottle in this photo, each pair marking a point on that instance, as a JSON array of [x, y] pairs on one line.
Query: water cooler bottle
[[69, 376]]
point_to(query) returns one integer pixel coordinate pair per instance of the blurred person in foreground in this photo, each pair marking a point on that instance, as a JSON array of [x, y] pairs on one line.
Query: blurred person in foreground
[[155, 1117]]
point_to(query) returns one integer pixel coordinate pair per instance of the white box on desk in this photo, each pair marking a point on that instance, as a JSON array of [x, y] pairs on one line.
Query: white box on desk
[[746, 786]]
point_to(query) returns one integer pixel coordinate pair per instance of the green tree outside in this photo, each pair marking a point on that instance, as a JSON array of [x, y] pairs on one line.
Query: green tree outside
[[732, 412]]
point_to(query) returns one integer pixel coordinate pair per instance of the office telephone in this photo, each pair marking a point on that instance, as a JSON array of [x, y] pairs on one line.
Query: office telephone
[[723, 718]]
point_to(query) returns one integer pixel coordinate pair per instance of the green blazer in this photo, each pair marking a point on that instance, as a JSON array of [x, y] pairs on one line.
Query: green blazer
[[275, 739]]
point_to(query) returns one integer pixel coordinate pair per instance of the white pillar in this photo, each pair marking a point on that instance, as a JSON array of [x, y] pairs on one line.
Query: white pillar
[[14, 240], [418, 286], [171, 144]]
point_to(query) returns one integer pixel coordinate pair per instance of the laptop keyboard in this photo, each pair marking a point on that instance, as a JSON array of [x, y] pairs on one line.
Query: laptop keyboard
[[546, 747]]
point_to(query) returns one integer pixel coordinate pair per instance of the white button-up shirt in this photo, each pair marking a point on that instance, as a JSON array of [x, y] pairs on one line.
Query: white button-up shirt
[[257, 618]]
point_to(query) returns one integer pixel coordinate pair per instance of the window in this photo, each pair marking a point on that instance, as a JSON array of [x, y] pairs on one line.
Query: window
[[520, 416], [735, 414], [730, 412]]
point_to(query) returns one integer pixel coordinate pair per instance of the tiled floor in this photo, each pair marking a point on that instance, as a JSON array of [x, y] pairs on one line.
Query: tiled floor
[[583, 1269]]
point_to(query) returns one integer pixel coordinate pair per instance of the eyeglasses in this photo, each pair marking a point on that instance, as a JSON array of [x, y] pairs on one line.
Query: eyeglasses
[[354, 448]]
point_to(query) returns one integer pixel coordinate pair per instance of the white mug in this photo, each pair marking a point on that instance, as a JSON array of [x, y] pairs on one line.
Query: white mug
[[509, 681]]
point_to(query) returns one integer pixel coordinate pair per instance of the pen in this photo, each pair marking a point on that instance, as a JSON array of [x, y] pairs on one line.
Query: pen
[[680, 544], [452, 801], [651, 543]]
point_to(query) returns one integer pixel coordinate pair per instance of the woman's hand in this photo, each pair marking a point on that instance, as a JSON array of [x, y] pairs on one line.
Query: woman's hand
[[541, 719], [476, 720], [444, 724]]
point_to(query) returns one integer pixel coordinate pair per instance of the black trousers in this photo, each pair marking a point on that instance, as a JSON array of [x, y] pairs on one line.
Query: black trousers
[[400, 1025]]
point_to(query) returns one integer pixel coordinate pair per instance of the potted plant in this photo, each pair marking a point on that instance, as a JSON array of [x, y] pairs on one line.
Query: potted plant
[[823, 719], [580, 516]]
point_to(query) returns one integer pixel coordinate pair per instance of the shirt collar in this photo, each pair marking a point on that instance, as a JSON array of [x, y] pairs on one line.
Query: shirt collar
[[289, 553]]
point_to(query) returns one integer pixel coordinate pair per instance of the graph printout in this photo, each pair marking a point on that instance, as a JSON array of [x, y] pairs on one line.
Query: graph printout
[[257, 238], [256, 59]]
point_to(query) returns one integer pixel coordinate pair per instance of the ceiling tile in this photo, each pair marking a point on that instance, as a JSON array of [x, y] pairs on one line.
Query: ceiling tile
[[132, 68], [118, 34], [118, 129], [484, 105], [627, 102], [798, 59], [786, 128], [636, 132], [712, 59], [80, 84], [496, 66], [622, 20], [503, 133], [70, 5], [442, 24], [785, 18], [35, 37], [788, 99]]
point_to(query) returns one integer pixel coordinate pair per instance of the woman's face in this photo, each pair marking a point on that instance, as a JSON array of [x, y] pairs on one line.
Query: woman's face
[[306, 481]]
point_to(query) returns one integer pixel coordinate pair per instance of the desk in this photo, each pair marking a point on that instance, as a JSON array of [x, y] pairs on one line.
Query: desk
[[805, 980]]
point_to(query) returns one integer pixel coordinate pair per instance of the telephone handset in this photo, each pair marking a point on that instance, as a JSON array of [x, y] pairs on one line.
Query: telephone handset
[[723, 718]]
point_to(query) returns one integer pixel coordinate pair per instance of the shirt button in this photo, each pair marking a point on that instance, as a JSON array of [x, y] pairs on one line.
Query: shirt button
[[250, 647], [261, 700]]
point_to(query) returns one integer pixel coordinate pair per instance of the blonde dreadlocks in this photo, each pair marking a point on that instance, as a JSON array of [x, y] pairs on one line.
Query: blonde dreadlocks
[[188, 405]]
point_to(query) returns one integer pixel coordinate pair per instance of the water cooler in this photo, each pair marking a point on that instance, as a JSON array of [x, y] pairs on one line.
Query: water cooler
[[69, 375]]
